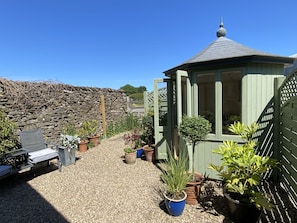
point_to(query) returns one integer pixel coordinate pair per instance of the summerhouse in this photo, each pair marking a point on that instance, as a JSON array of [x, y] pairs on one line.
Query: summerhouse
[[225, 82]]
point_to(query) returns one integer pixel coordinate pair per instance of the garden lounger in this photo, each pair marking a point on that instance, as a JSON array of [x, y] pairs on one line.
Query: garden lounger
[[38, 151]]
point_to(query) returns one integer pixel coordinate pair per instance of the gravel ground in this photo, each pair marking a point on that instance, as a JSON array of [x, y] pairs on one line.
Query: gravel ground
[[101, 187]]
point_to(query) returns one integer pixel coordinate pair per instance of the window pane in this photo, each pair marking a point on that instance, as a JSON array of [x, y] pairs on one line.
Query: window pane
[[231, 83], [206, 99]]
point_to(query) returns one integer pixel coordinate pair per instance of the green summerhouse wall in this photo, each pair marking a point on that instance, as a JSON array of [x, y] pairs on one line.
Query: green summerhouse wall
[[257, 90]]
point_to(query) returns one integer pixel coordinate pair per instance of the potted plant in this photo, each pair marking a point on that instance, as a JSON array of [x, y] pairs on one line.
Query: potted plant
[[83, 142], [148, 130], [69, 143], [148, 137], [130, 155], [241, 171], [91, 129], [133, 139], [175, 176], [67, 149], [194, 129]]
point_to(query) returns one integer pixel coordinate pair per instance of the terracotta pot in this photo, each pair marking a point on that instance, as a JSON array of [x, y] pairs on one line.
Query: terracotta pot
[[149, 153], [130, 158], [193, 190], [94, 140], [83, 146]]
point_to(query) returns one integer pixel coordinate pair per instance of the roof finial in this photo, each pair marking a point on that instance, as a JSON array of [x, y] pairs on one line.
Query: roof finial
[[221, 32]]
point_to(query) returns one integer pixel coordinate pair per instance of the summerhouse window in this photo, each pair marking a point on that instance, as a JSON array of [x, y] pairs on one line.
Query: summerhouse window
[[220, 92], [206, 97], [231, 98]]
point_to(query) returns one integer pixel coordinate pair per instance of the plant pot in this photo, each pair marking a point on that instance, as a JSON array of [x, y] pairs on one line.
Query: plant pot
[[242, 212], [193, 190], [139, 152], [175, 207], [130, 158], [83, 146], [66, 155], [94, 140], [149, 153]]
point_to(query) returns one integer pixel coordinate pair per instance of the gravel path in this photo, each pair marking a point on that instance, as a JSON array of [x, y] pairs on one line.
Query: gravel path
[[100, 187]]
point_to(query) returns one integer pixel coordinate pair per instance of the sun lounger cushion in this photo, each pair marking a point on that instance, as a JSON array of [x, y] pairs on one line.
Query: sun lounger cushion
[[5, 169], [42, 155]]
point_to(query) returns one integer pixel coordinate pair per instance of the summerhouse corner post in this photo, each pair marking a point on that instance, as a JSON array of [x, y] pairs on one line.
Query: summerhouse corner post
[[195, 98], [179, 75], [219, 104], [189, 101]]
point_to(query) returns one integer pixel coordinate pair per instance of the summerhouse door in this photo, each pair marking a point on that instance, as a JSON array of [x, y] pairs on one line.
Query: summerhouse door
[[162, 107]]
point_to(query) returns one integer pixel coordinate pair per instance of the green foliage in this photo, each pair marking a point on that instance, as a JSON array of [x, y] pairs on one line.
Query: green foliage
[[69, 129], [137, 98], [127, 123], [242, 169], [83, 134], [129, 89], [175, 174], [194, 129], [91, 145], [8, 137], [90, 127], [148, 129], [129, 150]]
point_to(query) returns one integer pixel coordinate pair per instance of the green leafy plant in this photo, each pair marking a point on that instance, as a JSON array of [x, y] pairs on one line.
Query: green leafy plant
[[129, 150], [90, 127], [83, 134], [194, 129], [127, 123], [242, 169], [148, 129], [8, 137], [91, 145], [69, 129], [175, 175]]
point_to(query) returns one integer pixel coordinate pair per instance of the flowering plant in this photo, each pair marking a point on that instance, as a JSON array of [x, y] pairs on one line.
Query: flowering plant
[[133, 138], [70, 141]]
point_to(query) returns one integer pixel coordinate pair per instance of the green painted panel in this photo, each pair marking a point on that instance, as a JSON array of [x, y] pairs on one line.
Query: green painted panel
[[289, 175], [204, 157], [257, 91], [289, 136]]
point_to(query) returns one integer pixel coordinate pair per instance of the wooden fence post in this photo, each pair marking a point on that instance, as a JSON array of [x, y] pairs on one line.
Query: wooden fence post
[[103, 115]]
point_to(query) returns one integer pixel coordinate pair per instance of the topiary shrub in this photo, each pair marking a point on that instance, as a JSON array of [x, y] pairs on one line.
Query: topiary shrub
[[194, 129]]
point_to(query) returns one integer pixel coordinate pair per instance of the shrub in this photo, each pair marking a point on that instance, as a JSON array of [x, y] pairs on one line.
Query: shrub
[[8, 137]]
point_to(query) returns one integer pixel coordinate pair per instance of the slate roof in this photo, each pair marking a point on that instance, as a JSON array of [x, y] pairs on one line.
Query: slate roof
[[223, 48]]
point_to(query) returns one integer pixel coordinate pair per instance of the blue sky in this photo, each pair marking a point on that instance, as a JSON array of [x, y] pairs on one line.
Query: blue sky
[[111, 43]]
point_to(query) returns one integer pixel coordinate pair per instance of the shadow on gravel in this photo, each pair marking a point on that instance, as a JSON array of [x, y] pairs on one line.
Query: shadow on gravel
[[214, 203], [21, 203], [162, 206]]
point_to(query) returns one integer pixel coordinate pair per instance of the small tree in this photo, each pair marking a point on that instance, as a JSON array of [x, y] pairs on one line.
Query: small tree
[[194, 129]]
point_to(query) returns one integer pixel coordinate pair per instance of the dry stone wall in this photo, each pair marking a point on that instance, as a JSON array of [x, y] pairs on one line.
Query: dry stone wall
[[51, 106]]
